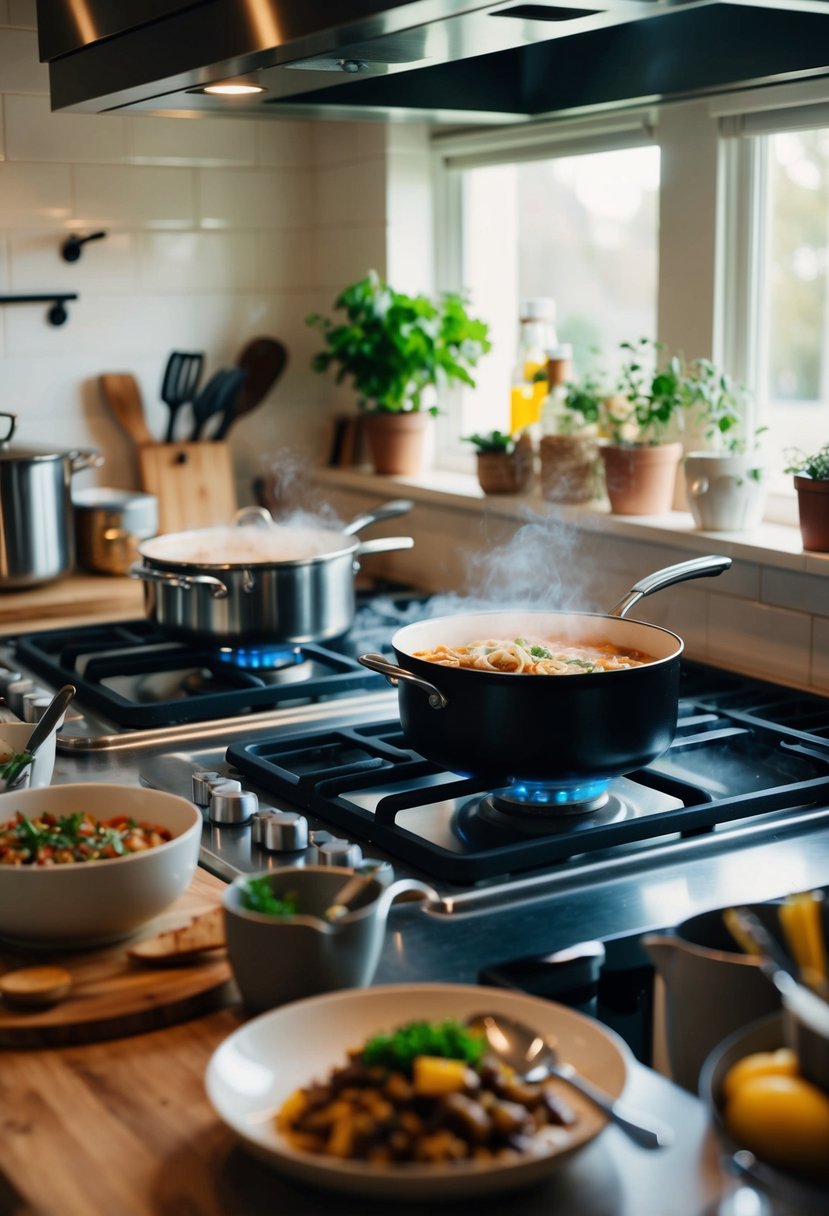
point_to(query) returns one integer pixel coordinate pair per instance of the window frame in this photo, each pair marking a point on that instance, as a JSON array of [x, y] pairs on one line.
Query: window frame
[[710, 287]]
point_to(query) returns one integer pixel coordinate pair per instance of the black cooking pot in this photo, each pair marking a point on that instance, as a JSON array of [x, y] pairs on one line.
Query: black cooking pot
[[567, 730]]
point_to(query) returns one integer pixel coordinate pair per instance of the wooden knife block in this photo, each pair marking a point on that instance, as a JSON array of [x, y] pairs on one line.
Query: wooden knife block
[[193, 482]]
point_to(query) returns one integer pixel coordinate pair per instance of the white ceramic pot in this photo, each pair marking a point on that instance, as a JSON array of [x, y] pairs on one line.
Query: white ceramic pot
[[726, 493]]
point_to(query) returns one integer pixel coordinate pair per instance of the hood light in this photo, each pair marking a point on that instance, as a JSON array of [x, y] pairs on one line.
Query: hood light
[[232, 90]]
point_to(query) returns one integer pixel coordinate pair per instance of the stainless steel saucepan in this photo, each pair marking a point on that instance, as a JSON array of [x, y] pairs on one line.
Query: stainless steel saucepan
[[257, 581]]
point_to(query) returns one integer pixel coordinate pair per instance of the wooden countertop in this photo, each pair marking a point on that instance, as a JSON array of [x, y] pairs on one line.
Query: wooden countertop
[[76, 599], [125, 1127]]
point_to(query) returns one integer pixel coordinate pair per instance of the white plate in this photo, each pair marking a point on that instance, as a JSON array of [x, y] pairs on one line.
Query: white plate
[[252, 1072]]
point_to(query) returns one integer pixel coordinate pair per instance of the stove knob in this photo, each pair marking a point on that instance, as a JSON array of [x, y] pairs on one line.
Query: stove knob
[[7, 677], [231, 806], [339, 853], [15, 692], [285, 832], [201, 786], [35, 704]]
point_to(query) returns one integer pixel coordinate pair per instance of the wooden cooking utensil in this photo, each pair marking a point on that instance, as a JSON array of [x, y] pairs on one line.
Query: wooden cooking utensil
[[123, 397], [264, 361]]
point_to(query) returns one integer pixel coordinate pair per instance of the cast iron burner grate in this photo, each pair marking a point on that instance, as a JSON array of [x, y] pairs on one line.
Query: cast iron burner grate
[[137, 677], [722, 767]]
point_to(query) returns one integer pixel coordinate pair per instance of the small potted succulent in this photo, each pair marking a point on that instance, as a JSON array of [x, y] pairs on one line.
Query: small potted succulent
[[811, 481], [725, 483], [640, 458], [505, 464], [395, 348]]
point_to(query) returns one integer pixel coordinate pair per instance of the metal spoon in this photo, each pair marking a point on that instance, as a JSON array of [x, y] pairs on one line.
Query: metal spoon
[[51, 716], [534, 1059], [346, 896]]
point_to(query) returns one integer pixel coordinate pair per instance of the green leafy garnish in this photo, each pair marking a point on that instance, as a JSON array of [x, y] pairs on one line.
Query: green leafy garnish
[[540, 652], [449, 1038], [584, 664], [258, 896], [14, 766]]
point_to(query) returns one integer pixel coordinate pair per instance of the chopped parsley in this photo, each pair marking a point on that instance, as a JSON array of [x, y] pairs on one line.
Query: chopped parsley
[[398, 1050], [258, 896]]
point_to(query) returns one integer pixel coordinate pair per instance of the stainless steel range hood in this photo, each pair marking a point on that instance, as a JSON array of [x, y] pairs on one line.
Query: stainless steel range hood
[[442, 60]]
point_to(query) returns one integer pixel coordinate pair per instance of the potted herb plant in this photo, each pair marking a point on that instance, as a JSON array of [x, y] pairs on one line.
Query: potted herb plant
[[811, 481], [568, 448], [725, 484], [640, 460], [394, 348], [505, 464]]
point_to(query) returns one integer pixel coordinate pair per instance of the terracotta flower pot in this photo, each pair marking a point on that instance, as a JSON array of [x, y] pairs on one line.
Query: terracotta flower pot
[[569, 468], [395, 441], [506, 472], [640, 480], [813, 505]]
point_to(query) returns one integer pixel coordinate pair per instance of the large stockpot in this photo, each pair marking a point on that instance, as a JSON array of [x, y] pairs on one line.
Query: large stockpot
[[37, 542], [570, 730], [258, 581]]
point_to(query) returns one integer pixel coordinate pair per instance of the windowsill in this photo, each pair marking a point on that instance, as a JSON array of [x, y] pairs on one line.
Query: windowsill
[[771, 544]]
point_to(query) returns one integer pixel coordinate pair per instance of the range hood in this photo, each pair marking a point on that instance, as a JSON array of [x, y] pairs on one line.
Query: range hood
[[436, 60]]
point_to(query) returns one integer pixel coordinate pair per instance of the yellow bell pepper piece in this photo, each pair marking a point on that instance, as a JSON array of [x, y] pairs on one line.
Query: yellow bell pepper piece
[[433, 1076]]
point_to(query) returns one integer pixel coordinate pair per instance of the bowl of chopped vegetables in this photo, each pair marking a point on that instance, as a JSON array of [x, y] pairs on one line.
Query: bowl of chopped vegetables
[[14, 739], [81, 865], [382, 1093]]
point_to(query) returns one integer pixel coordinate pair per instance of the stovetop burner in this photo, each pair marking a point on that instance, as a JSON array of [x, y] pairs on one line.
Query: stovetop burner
[[541, 799], [725, 765], [262, 659]]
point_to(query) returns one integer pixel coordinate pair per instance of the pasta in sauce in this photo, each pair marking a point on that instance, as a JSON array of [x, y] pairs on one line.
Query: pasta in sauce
[[521, 656]]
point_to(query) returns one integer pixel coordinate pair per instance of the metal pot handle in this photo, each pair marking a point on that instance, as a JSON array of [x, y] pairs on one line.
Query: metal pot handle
[[398, 506], [384, 544], [84, 458], [185, 581], [698, 567], [376, 662], [257, 517]]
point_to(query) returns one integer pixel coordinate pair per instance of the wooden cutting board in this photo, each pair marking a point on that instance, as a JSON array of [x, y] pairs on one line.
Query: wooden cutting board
[[193, 482], [112, 996]]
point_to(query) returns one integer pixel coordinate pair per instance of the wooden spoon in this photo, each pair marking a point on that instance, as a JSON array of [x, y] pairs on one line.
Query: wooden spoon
[[123, 396], [35, 987]]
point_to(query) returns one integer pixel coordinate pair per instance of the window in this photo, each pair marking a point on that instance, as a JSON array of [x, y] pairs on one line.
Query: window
[[580, 227]]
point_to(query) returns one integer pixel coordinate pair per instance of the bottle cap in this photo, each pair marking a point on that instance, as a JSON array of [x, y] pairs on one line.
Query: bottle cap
[[541, 308]]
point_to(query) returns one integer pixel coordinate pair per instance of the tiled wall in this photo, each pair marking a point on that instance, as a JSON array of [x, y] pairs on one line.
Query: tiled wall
[[219, 229]]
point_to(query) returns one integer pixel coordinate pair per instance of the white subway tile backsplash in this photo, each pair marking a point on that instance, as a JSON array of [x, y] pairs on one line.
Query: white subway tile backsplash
[[820, 654], [336, 143], [35, 262], [353, 193], [192, 140], [772, 642], [284, 259], [34, 196], [283, 144], [34, 133], [20, 70], [111, 326], [803, 592], [253, 199], [189, 262], [133, 196], [343, 254]]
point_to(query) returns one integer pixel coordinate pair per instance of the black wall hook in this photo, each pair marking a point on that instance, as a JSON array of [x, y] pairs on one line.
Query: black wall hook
[[57, 314], [71, 247]]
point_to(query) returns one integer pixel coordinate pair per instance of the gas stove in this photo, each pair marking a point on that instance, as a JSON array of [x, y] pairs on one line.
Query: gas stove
[[316, 735]]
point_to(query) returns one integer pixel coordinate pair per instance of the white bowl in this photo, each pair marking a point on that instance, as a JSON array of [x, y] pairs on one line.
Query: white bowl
[[89, 903], [254, 1070], [14, 736]]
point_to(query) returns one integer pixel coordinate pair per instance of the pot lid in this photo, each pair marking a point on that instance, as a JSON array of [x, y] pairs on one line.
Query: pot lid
[[244, 547], [8, 425]]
